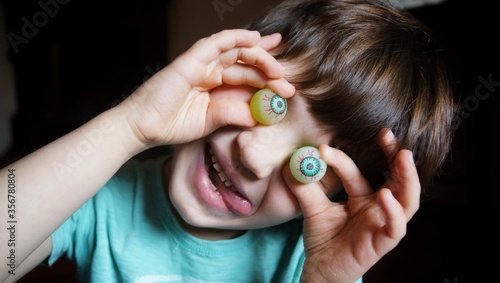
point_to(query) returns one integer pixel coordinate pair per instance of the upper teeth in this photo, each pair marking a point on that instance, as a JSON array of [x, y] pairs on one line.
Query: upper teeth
[[223, 177]]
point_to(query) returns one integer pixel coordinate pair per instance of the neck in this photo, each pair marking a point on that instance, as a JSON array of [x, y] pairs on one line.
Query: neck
[[209, 233]]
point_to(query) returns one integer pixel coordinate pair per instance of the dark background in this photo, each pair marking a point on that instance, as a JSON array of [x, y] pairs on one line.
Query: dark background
[[93, 54], [88, 56]]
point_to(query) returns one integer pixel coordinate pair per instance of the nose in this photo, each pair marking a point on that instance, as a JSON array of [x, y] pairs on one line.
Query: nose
[[264, 149]]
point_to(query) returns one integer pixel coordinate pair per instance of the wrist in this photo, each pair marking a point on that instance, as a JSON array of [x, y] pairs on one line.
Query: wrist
[[313, 273], [115, 122], [313, 277]]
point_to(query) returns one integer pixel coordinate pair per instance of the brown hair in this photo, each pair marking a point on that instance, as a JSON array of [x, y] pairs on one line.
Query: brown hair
[[364, 65]]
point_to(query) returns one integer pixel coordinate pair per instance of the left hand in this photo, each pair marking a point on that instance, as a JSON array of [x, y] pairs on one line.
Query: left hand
[[343, 240]]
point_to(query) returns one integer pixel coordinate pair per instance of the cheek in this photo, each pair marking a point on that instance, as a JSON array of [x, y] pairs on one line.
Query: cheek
[[182, 174], [280, 203], [184, 162]]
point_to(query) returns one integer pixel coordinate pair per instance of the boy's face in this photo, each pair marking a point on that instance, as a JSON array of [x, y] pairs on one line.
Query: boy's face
[[252, 160]]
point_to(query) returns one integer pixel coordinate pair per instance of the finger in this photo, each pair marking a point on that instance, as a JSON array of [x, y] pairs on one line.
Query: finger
[[254, 56], [242, 92], [395, 221], [389, 143], [209, 48], [242, 74], [223, 112], [269, 42], [353, 180], [207, 51], [228, 39], [311, 198], [404, 183]]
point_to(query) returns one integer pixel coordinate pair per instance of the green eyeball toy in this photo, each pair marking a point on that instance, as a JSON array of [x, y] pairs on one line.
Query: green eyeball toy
[[267, 107], [306, 165]]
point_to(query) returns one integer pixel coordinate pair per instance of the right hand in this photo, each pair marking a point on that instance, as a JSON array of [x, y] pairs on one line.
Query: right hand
[[175, 105], [344, 240]]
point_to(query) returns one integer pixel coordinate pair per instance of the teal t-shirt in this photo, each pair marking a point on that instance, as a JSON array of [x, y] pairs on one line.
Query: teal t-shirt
[[128, 233]]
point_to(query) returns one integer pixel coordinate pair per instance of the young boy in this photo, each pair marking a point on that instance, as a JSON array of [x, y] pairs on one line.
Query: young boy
[[225, 207]]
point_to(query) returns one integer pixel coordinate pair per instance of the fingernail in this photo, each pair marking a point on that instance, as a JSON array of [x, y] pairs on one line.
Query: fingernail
[[290, 86], [390, 132], [411, 158], [281, 66]]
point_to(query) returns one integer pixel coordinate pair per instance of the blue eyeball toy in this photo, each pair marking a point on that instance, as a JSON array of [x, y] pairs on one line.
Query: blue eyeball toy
[[306, 165], [268, 107]]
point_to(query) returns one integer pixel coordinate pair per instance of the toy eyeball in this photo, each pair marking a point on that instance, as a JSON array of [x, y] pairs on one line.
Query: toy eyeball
[[268, 107], [306, 165]]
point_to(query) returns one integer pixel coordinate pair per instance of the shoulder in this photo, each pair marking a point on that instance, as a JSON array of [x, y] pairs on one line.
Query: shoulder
[[135, 172], [135, 180]]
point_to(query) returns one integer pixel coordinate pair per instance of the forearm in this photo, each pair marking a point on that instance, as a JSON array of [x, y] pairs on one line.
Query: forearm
[[39, 192]]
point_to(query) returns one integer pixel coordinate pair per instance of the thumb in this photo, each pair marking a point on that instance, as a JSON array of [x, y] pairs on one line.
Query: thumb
[[225, 112], [312, 199]]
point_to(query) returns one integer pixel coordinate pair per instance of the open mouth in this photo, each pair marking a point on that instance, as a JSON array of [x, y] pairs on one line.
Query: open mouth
[[215, 171], [222, 185]]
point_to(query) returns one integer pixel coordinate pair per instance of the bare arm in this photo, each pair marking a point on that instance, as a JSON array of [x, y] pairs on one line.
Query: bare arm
[[32, 261], [53, 182]]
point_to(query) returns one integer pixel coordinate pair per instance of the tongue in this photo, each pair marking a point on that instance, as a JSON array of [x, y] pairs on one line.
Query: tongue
[[233, 200]]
